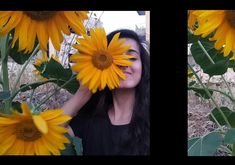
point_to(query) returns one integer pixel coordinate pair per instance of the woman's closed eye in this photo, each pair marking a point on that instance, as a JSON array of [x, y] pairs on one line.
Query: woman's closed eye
[[134, 53]]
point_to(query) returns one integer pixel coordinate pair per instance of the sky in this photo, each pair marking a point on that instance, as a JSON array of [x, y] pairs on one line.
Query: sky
[[113, 20]]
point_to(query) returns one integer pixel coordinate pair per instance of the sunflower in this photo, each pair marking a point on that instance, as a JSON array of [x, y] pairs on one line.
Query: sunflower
[[222, 23], [191, 20], [41, 24], [97, 62], [41, 60], [28, 134]]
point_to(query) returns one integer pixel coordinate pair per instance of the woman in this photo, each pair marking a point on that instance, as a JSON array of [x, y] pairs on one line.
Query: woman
[[115, 122]]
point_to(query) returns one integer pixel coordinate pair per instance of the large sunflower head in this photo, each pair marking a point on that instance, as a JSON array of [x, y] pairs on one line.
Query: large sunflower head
[[33, 134], [43, 25], [219, 23], [97, 62]]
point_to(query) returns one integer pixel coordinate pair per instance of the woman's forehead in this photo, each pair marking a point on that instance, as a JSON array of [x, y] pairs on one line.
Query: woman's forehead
[[133, 43]]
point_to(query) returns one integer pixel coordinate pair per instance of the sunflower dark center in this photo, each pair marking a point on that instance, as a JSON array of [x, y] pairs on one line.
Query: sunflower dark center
[[40, 15], [230, 16], [102, 60], [27, 131]]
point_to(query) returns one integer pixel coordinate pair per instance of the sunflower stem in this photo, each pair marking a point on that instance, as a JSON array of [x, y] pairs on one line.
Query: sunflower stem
[[27, 85], [56, 90], [23, 69], [208, 93], [212, 61], [5, 78], [216, 90]]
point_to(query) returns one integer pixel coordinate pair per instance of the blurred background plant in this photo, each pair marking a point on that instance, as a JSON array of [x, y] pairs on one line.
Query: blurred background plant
[[211, 49]]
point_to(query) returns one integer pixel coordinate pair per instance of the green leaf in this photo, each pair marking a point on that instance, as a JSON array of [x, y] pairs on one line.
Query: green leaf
[[69, 148], [230, 115], [4, 95], [192, 141], [77, 142], [218, 68], [192, 38], [74, 147], [229, 137], [204, 146], [17, 106], [221, 63], [201, 92], [232, 64], [19, 56], [71, 87], [53, 69], [192, 83], [25, 87]]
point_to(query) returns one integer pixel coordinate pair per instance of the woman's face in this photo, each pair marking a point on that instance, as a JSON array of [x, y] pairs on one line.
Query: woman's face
[[133, 72]]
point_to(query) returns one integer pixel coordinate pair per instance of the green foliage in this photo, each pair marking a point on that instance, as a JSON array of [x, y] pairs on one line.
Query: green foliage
[[25, 87], [205, 145], [16, 106], [54, 70], [221, 63], [4, 95], [74, 147], [214, 63], [192, 83], [19, 56], [230, 115], [229, 137], [200, 92]]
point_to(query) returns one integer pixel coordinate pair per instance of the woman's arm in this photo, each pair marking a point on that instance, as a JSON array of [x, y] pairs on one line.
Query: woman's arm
[[70, 131], [78, 100]]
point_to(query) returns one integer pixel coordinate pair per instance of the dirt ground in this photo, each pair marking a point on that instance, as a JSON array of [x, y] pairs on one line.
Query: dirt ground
[[198, 121]]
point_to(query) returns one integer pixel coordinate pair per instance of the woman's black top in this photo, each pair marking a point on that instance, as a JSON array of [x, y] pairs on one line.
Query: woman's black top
[[99, 136]]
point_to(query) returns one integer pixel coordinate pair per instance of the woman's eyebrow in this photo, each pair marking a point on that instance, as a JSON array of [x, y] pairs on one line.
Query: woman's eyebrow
[[133, 50]]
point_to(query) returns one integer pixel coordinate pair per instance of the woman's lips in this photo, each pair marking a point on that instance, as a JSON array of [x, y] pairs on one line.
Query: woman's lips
[[127, 73]]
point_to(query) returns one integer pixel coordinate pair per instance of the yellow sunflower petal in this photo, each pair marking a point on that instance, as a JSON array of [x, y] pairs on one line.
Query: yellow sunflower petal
[[42, 35], [40, 148], [54, 141], [60, 22], [7, 143], [40, 124], [104, 76], [55, 35], [50, 147], [78, 27], [5, 121], [16, 149], [51, 114], [123, 62], [119, 72], [25, 109], [23, 33], [29, 148], [60, 120], [95, 79], [31, 36], [12, 23]]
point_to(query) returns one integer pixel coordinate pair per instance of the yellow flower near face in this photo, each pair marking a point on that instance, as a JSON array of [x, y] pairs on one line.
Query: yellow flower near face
[[222, 23], [42, 25], [29, 134], [97, 62]]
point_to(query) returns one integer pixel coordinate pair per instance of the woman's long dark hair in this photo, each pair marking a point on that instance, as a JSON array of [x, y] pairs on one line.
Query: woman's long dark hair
[[99, 104]]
